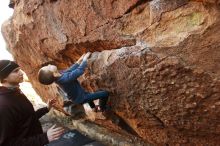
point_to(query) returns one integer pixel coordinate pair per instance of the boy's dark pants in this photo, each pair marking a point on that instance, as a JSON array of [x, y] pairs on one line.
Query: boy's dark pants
[[101, 95]]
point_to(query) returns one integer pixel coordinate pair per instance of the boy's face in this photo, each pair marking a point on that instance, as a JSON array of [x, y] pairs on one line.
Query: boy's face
[[15, 77], [51, 68]]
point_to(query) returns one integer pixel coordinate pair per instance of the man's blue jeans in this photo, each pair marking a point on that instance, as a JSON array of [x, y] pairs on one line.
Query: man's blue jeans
[[101, 95]]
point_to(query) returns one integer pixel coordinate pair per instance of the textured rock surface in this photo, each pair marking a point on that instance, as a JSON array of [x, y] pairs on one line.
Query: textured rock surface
[[158, 58]]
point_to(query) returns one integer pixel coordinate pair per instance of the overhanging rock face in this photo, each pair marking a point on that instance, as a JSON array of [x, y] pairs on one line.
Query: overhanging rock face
[[158, 58]]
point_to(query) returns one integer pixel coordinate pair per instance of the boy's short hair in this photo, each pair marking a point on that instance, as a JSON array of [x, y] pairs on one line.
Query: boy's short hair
[[46, 77]]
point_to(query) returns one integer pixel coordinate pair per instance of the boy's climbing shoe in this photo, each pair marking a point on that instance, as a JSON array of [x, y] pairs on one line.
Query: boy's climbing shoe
[[102, 114], [96, 109], [107, 108]]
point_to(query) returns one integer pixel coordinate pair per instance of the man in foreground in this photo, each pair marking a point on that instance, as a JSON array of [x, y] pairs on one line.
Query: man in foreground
[[19, 124]]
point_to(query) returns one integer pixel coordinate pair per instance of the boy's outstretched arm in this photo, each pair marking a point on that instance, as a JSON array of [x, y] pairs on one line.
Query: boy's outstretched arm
[[74, 66], [73, 75], [85, 57], [80, 59]]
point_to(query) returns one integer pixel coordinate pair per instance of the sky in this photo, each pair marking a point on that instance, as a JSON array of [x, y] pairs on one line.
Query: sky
[[6, 12]]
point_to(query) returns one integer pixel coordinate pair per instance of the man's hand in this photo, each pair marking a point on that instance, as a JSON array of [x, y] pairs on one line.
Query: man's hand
[[54, 133], [80, 59], [86, 56], [51, 103]]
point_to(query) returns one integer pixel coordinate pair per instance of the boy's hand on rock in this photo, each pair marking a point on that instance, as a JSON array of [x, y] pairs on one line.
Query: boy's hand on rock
[[86, 56], [80, 59]]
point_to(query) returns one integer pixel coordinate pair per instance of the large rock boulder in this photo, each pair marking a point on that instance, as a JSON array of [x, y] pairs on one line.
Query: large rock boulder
[[158, 58]]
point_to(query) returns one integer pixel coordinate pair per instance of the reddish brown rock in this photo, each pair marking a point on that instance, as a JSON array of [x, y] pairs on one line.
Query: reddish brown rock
[[161, 98], [159, 59]]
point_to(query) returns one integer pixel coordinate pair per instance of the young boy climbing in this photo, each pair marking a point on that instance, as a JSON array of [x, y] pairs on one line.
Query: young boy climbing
[[67, 80]]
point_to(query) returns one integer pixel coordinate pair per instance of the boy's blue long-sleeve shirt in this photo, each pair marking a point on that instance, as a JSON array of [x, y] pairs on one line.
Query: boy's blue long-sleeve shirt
[[69, 83]]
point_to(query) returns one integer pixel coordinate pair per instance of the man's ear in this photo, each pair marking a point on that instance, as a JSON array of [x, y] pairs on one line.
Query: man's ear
[[3, 80]]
